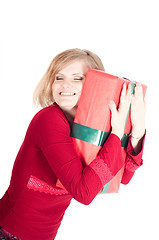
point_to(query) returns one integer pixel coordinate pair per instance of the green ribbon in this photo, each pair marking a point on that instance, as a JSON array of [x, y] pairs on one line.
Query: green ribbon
[[97, 137], [90, 135], [133, 85], [93, 136], [106, 188]]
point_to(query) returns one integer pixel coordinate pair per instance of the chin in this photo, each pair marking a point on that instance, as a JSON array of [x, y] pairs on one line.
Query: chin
[[67, 107]]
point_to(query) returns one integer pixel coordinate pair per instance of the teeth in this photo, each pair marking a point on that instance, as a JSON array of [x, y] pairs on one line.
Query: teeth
[[66, 94]]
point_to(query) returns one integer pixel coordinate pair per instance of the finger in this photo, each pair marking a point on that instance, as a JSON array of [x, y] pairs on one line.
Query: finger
[[138, 90], [129, 92], [122, 96], [112, 106], [125, 98], [132, 99], [129, 88], [123, 92], [138, 99]]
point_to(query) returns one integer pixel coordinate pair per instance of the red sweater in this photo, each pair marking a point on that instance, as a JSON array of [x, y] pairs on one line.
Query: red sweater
[[33, 207]]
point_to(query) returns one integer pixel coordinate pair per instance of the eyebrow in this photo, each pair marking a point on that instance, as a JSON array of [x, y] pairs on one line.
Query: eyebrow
[[59, 73], [72, 74], [78, 73]]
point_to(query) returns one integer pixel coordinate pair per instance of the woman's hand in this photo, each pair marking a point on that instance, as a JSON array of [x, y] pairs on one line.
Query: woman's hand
[[138, 111], [118, 117]]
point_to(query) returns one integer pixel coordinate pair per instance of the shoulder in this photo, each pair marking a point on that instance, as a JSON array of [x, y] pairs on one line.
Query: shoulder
[[52, 114], [53, 110], [48, 126], [50, 119]]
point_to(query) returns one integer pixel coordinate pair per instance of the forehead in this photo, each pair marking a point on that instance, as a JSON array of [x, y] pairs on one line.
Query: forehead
[[77, 66]]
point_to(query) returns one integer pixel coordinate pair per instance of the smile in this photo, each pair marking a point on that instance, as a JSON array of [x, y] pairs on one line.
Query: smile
[[67, 94]]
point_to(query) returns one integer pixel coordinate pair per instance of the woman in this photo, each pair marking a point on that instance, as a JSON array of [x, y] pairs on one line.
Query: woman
[[33, 207]]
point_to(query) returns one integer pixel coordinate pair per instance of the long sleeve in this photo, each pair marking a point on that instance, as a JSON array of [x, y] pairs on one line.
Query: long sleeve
[[51, 133], [133, 162]]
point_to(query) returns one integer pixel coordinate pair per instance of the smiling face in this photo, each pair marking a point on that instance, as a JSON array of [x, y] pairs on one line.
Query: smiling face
[[68, 85]]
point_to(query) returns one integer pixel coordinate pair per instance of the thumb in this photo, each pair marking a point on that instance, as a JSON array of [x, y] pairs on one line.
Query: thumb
[[112, 107]]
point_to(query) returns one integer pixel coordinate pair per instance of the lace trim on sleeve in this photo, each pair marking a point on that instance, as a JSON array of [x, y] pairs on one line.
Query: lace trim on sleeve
[[41, 186], [102, 170], [132, 165]]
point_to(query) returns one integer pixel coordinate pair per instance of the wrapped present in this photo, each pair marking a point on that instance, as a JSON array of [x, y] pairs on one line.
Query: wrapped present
[[92, 123]]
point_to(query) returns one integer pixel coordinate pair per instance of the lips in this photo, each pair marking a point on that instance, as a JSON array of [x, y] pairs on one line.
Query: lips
[[67, 94]]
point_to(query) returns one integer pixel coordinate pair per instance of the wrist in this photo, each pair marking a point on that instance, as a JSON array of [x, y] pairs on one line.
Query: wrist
[[118, 134], [137, 133], [135, 136], [137, 143]]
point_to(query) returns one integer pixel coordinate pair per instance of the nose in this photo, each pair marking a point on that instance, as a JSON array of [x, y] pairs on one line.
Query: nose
[[66, 84]]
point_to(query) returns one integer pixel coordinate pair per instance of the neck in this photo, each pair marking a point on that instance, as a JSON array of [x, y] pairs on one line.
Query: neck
[[70, 115]]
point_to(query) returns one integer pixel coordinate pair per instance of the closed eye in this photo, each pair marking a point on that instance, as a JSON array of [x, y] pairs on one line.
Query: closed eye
[[78, 78], [59, 78]]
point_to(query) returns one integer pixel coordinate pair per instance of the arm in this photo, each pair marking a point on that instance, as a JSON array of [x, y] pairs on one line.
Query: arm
[[52, 137], [136, 143], [133, 160]]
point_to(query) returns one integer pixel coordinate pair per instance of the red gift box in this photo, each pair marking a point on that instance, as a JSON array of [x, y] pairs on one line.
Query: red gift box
[[92, 123]]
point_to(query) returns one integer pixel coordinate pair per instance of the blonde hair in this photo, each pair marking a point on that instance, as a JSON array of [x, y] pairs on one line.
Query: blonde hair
[[43, 92]]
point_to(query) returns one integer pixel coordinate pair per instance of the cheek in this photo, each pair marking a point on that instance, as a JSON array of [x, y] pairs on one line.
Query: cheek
[[54, 87], [80, 87], [54, 92]]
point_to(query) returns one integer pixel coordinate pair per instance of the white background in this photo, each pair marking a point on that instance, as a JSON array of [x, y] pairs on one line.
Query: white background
[[125, 35]]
